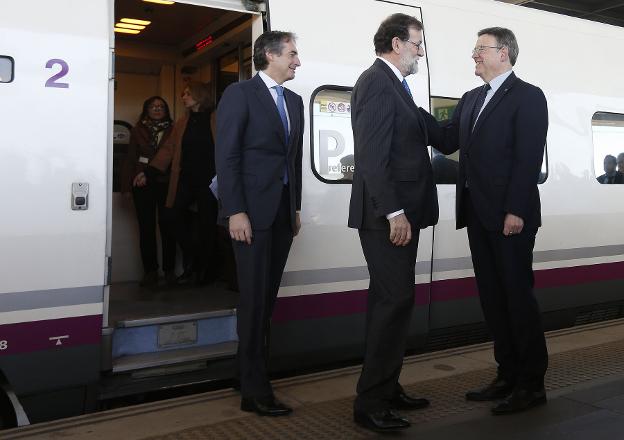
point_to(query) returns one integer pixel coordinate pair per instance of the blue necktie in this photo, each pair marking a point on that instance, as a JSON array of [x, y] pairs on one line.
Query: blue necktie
[[281, 109], [407, 89]]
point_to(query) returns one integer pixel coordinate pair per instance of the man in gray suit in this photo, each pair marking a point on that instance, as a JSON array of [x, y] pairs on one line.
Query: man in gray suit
[[393, 196]]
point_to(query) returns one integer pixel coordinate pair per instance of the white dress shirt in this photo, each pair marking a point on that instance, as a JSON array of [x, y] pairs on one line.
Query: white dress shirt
[[494, 86], [270, 83]]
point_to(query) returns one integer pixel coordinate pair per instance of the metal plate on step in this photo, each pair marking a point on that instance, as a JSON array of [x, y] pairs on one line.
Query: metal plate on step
[[179, 333]]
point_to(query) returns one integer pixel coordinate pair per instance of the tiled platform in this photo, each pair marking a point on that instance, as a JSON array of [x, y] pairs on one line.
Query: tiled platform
[[585, 385]]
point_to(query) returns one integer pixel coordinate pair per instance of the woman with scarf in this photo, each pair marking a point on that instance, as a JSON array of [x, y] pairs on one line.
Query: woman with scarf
[[190, 152], [146, 138]]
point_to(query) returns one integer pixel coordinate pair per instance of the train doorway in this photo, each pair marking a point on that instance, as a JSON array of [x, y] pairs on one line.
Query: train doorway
[[156, 322]]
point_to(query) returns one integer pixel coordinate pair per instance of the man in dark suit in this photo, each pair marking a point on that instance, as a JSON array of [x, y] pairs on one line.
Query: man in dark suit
[[393, 196], [611, 176], [259, 149], [500, 129]]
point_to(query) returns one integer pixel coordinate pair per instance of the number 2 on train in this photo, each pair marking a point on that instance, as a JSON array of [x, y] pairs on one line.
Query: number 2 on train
[[52, 81]]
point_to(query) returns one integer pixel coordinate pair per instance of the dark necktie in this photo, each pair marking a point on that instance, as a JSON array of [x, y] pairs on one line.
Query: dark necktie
[[281, 109], [479, 104], [407, 89]]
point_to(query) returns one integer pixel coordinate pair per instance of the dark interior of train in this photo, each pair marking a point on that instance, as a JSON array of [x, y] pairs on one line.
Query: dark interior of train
[[159, 48]]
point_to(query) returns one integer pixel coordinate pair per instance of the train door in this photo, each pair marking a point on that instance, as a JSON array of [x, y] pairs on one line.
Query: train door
[[321, 308], [53, 98], [159, 48]]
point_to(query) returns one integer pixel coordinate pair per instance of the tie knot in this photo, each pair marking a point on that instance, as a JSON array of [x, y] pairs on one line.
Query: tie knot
[[487, 87], [279, 90]]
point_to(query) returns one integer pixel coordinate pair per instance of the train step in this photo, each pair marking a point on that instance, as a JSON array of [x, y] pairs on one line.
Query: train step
[[180, 356], [171, 339]]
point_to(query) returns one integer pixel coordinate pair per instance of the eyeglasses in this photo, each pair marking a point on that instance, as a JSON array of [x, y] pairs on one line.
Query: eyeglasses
[[156, 107], [418, 45], [481, 49]]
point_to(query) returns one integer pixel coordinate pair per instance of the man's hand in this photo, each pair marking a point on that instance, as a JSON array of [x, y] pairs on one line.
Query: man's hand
[[139, 180], [297, 223], [240, 227], [400, 230], [513, 225]]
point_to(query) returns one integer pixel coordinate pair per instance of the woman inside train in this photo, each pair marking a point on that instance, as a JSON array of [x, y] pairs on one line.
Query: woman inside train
[[190, 151], [153, 129]]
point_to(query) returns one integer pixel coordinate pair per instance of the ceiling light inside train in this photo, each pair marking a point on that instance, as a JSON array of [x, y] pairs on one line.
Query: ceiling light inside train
[[135, 21], [126, 31], [130, 26]]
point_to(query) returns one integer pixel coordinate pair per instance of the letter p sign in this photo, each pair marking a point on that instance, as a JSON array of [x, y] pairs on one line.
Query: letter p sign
[[331, 144]]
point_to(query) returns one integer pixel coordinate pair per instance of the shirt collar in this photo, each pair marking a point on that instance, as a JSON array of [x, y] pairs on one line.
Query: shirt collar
[[499, 80], [268, 81], [396, 71]]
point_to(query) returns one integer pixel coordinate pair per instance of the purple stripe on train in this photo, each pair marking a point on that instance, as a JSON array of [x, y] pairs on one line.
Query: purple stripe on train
[[51, 334], [352, 302]]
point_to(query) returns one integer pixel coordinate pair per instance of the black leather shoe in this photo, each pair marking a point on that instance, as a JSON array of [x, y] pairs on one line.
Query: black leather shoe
[[204, 277], [520, 400], [498, 389], [403, 401], [187, 277], [150, 279], [170, 278], [265, 407], [381, 421]]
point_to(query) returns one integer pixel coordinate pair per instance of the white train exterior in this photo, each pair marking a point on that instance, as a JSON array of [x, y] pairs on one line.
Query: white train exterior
[[56, 115]]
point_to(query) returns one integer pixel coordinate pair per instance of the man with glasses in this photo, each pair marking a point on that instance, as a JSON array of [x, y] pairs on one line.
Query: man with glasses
[[393, 196], [500, 129]]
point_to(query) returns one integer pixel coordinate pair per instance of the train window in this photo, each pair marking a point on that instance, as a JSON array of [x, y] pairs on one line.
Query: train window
[[445, 167], [331, 135], [6, 69], [608, 139]]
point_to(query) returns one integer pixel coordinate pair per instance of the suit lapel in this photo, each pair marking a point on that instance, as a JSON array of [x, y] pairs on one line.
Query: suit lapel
[[293, 114], [491, 105], [397, 84], [264, 96]]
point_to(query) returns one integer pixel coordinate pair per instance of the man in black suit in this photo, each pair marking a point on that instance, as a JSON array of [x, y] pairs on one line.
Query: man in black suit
[[259, 149], [611, 176], [393, 196], [500, 129]]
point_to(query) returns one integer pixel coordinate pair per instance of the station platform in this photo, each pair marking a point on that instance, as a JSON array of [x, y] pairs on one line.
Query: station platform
[[585, 386]]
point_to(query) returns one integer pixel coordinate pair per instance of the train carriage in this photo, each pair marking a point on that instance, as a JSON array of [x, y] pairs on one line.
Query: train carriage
[[76, 329]]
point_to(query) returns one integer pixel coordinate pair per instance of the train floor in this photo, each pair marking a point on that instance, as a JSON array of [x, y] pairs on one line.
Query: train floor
[[585, 386], [128, 301]]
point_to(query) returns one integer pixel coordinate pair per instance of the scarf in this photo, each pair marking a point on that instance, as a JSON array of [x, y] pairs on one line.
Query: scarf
[[155, 128]]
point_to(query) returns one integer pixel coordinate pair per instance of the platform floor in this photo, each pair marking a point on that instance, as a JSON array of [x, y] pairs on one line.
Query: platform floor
[[585, 384]]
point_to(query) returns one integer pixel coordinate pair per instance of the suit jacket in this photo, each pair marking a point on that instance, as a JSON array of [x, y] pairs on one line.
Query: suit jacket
[[392, 165], [251, 152], [500, 159], [618, 178]]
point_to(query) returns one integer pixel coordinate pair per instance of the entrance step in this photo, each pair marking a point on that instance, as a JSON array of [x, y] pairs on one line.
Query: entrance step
[[173, 333], [174, 357]]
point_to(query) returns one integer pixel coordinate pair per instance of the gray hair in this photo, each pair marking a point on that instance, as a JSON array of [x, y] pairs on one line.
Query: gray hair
[[504, 37]]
